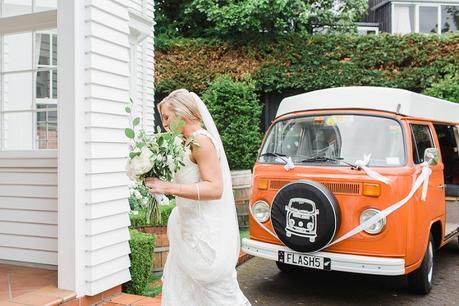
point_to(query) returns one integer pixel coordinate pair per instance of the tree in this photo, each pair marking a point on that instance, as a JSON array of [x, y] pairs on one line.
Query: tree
[[226, 18]]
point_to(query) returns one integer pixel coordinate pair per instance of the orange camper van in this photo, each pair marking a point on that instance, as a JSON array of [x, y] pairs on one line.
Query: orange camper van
[[357, 179]]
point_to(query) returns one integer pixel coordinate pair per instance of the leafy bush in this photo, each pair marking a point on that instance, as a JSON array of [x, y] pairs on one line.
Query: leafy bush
[[235, 108], [254, 18], [142, 246], [138, 217], [447, 89], [165, 212], [414, 62]]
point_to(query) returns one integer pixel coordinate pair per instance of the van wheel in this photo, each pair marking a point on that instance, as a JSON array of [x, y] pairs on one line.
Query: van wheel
[[420, 280]]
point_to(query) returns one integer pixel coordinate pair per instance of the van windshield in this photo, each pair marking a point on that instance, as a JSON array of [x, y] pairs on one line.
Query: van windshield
[[335, 139]]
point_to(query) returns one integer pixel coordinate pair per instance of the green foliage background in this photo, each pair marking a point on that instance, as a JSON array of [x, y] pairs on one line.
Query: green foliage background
[[236, 111], [421, 63], [255, 18], [415, 62]]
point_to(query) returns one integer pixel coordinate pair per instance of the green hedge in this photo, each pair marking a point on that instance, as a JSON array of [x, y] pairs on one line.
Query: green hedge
[[235, 108], [165, 212], [414, 62], [142, 246], [139, 219], [447, 88]]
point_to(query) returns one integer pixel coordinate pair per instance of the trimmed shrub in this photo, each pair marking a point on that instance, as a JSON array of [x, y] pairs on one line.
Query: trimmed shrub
[[142, 246], [235, 108], [165, 212], [414, 62], [447, 89]]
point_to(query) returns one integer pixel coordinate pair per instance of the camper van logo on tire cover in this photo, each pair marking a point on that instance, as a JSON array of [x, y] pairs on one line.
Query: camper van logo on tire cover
[[305, 216]]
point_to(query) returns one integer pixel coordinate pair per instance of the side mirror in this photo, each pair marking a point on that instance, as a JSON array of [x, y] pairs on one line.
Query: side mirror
[[431, 156]]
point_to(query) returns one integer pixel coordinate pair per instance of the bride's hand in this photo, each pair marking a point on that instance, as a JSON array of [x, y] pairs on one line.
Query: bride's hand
[[155, 185]]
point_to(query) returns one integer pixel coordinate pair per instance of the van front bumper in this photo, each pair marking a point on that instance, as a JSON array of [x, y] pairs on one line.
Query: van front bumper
[[339, 262]]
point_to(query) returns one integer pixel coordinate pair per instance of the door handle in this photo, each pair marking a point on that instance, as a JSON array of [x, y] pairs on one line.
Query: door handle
[[441, 186]]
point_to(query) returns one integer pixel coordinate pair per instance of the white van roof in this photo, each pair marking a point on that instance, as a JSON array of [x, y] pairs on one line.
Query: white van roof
[[392, 100]]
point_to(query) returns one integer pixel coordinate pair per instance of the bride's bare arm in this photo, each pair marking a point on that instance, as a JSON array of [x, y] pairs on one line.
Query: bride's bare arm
[[211, 186]]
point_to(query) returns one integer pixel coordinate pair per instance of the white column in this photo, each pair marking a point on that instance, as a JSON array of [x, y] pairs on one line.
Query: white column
[[71, 166], [439, 19], [416, 18]]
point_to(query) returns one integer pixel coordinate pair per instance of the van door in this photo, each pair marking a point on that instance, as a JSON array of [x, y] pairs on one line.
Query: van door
[[448, 138], [423, 136]]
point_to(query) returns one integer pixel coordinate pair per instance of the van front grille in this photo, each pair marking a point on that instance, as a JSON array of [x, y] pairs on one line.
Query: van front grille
[[336, 188], [342, 188]]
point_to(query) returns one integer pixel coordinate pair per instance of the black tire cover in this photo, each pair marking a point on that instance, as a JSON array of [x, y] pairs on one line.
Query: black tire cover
[[312, 213]]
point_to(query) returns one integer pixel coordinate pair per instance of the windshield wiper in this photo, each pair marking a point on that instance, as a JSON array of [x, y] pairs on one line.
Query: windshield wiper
[[273, 154], [325, 159], [282, 156]]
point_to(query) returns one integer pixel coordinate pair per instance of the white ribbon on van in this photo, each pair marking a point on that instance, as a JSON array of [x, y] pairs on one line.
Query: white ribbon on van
[[362, 164], [288, 162], [422, 179]]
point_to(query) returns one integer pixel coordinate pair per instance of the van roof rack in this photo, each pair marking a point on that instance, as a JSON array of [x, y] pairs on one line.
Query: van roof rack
[[394, 100]]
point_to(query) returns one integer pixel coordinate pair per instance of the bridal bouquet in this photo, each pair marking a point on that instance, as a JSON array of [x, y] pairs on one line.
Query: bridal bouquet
[[157, 155]]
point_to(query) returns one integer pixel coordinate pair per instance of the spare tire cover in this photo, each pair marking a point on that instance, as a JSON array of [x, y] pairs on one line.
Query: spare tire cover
[[305, 216]]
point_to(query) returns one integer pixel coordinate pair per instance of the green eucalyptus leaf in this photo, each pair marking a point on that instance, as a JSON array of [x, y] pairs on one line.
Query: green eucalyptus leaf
[[129, 133], [136, 121]]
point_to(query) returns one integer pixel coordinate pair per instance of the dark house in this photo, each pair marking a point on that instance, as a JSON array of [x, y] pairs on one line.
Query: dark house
[[421, 16]]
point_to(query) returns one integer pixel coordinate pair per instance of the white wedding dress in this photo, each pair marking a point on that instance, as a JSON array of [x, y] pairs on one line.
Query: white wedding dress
[[200, 267]]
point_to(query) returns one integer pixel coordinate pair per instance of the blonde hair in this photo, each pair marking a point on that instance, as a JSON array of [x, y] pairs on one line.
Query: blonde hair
[[181, 103]]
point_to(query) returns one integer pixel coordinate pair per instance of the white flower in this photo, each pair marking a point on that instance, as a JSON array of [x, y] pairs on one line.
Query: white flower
[[137, 195], [177, 140], [141, 164]]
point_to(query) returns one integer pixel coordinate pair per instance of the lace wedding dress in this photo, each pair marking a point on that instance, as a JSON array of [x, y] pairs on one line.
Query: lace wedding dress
[[200, 268]]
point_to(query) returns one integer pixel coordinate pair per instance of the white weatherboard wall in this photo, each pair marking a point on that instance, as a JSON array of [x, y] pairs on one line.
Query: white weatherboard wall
[[142, 69], [107, 72], [28, 207], [100, 184]]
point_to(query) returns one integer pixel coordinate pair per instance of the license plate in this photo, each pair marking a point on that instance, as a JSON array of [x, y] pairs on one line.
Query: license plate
[[303, 260]]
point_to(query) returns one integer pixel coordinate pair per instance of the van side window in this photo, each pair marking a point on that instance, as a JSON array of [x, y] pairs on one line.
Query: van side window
[[449, 147], [422, 139]]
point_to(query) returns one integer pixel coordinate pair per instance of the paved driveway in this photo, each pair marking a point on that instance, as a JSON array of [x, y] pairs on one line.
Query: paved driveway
[[263, 284]]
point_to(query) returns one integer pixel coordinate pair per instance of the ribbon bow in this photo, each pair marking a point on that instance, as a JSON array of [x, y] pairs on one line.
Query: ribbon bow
[[362, 164]]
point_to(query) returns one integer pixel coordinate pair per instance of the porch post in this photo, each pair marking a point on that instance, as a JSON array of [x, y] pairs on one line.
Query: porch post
[[71, 162]]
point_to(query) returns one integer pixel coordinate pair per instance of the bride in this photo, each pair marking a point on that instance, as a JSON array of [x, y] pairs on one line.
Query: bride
[[202, 229]]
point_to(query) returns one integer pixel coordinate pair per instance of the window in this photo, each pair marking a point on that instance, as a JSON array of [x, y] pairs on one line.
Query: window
[[28, 79], [403, 18], [422, 139], [428, 19], [46, 91], [370, 30], [449, 18], [28, 83], [346, 138], [449, 149], [11, 8], [425, 18]]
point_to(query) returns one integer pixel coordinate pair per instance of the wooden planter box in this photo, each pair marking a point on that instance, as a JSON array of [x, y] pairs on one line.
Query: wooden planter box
[[242, 187], [161, 245]]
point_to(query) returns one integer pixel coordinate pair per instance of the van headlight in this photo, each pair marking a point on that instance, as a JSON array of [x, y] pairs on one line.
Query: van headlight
[[261, 211], [378, 226]]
